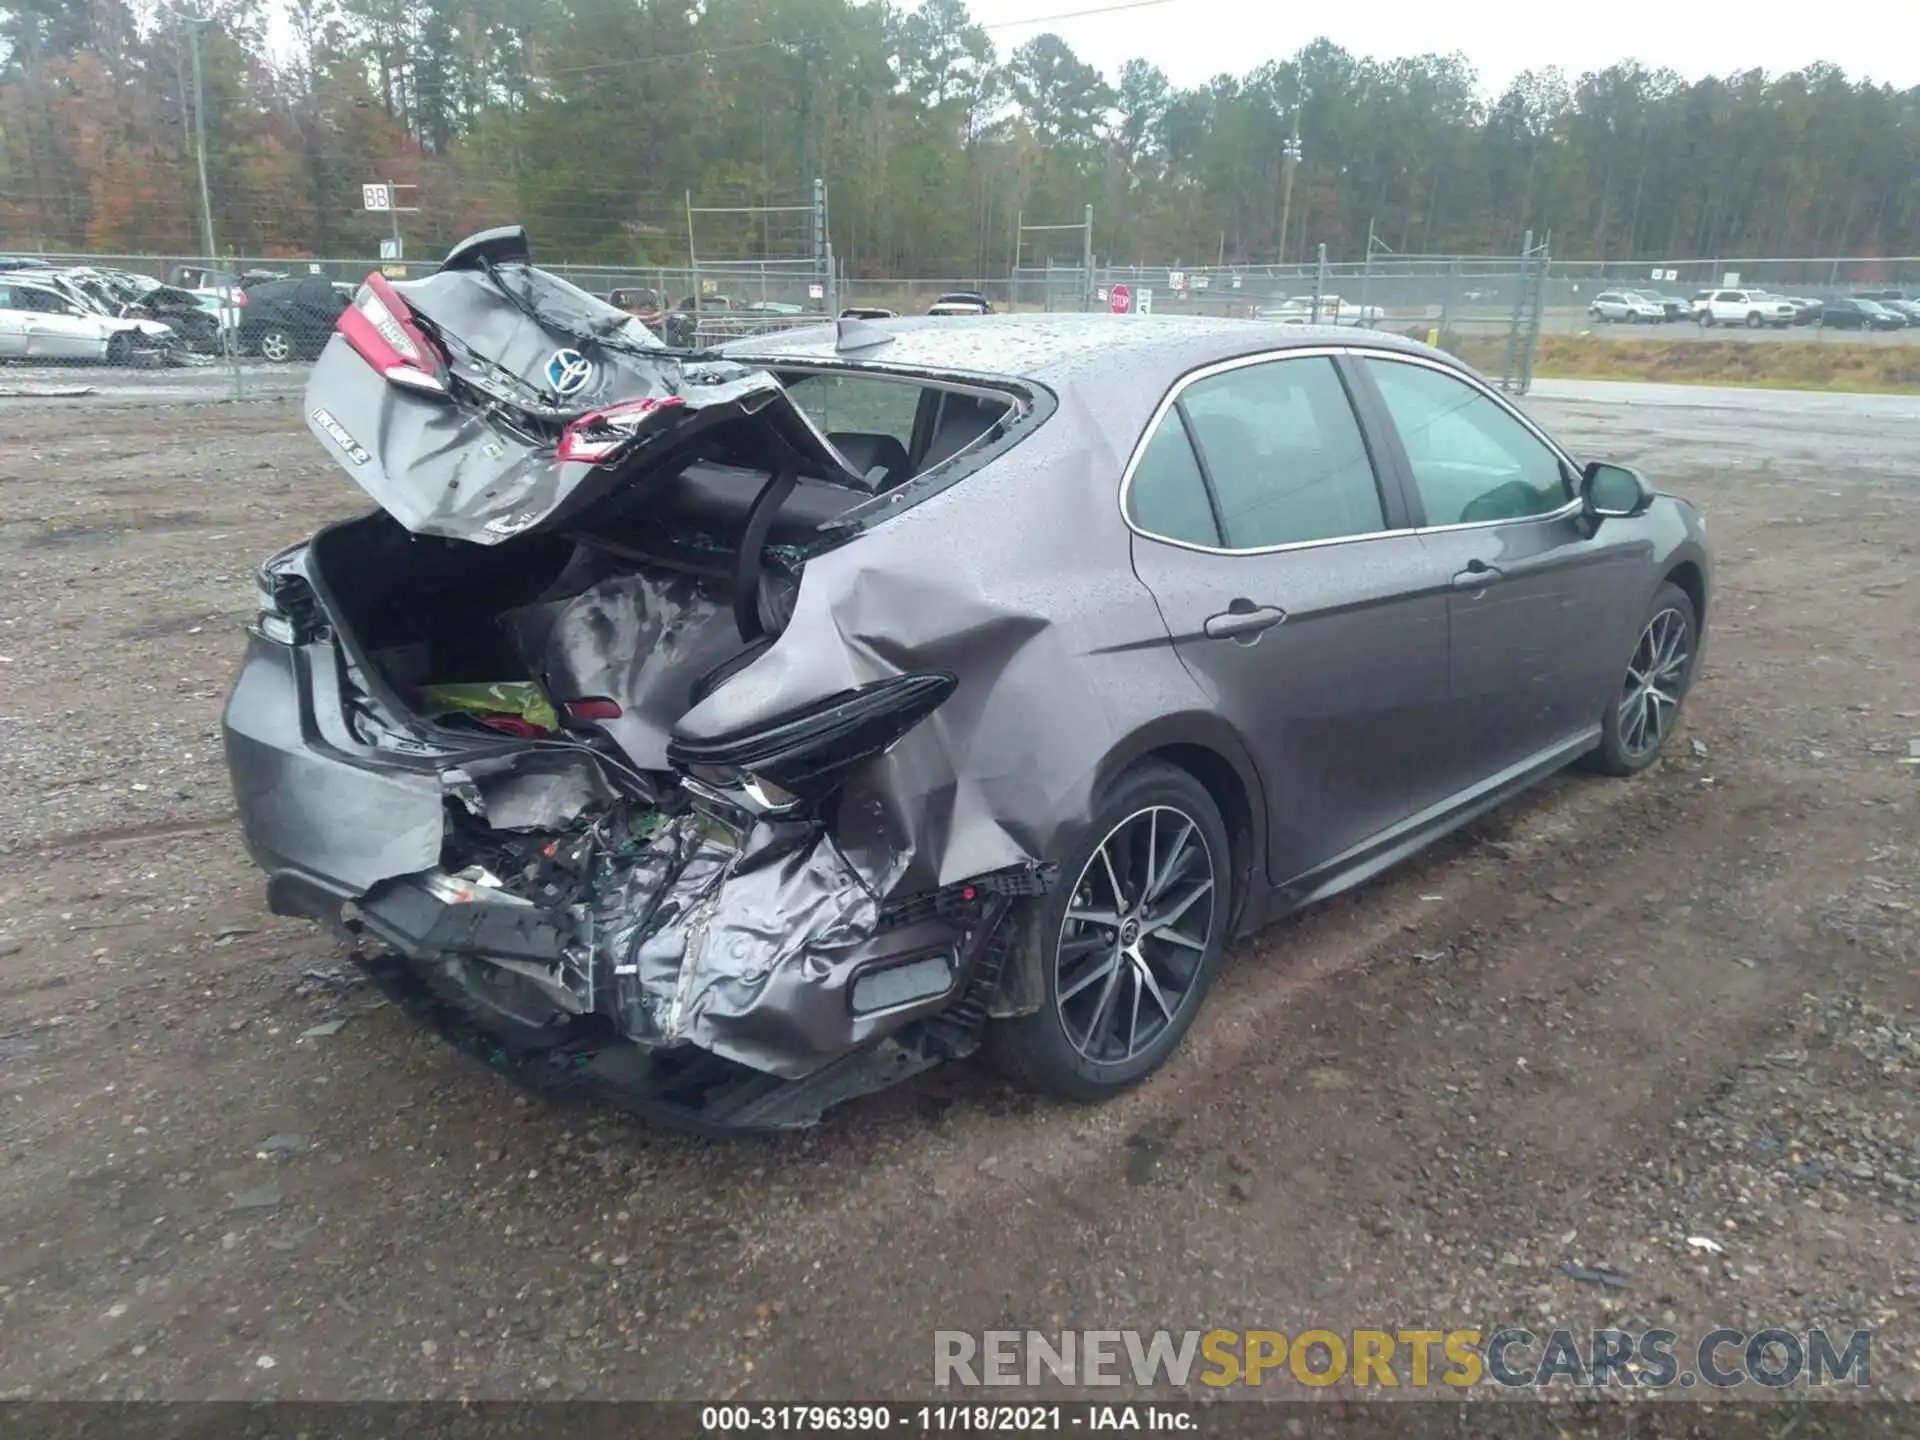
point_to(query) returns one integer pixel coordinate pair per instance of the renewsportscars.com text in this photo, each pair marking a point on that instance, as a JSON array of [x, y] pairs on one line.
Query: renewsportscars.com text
[[1720, 1359]]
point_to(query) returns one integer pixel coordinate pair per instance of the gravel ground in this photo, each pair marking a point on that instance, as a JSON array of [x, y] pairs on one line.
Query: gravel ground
[[1607, 1020]]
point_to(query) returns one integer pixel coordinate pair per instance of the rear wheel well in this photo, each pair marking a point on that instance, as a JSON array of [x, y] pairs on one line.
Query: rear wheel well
[[1216, 773], [1688, 577]]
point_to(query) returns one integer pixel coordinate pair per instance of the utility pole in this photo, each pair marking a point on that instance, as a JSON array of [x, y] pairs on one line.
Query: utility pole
[[1290, 157], [808, 50], [193, 24]]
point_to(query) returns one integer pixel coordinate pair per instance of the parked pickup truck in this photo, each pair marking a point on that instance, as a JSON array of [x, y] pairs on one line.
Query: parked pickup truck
[[1752, 308]]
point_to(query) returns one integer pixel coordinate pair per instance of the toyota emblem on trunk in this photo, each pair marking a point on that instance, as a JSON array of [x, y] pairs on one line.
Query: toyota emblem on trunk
[[568, 372]]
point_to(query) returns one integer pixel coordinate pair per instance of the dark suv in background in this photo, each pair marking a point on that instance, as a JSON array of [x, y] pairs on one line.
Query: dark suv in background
[[290, 319], [1856, 312]]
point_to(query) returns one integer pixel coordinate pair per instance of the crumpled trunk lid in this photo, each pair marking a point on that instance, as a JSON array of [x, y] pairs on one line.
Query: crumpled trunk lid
[[538, 374]]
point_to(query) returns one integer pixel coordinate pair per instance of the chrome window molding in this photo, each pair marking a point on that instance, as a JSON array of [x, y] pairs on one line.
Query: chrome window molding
[[1308, 352]]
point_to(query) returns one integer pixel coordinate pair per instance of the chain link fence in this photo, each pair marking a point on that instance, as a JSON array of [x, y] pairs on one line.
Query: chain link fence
[[242, 326]]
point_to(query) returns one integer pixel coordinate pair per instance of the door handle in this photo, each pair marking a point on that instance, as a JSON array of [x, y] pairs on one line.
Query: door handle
[[1477, 576], [1243, 621]]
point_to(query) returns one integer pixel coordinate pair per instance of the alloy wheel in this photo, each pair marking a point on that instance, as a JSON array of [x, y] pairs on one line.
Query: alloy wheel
[[1656, 679], [1134, 935], [276, 346]]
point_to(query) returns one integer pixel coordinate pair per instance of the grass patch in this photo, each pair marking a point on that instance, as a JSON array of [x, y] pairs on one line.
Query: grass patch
[[1766, 364]]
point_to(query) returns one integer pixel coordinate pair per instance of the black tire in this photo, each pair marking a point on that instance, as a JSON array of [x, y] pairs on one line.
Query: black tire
[[277, 344], [120, 349], [1755, 320], [1622, 754], [1146, 811], [1706, 319]]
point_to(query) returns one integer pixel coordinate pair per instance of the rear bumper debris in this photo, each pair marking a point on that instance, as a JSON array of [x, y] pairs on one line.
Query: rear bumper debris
[[779, 951]]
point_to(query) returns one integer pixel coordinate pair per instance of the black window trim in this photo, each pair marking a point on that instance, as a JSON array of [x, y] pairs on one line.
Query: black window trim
[[1399, 500], [1205, 472]]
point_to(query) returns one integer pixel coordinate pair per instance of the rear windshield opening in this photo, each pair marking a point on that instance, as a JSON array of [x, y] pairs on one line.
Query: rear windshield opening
[[894, 427]]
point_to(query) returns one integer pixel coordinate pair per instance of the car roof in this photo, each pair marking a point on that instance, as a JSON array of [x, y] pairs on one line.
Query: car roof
[[1058, 349], [1114, 369]]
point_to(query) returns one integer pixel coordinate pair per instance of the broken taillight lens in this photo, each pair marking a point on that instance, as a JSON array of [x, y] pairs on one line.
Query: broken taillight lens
[[289, 612], [380, 327], [600, 433]]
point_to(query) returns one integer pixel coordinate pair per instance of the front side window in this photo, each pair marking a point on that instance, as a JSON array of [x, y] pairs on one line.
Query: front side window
[[1472, 461], [1283, 450]]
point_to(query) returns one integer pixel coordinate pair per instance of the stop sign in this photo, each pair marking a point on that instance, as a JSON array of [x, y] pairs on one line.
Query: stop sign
[[1120, 300]]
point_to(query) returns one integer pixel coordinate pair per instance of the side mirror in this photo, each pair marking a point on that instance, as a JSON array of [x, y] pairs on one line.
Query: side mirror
[[1614, 492]]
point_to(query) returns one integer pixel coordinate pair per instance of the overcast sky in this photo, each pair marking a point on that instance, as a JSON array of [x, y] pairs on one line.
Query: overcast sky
[[1193, 40]]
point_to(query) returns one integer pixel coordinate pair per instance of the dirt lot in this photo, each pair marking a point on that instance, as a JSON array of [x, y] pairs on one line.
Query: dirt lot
[[1609, 1018]]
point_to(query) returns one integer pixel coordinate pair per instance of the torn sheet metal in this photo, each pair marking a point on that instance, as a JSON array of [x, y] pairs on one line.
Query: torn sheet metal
[[528, 355], [544, 792], [710, 939], [642, 640], [1052, 671]]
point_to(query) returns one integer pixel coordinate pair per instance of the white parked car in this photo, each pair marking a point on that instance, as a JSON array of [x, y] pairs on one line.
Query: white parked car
[[1626, 307], [1299, 310], [961, 302], [40, 321], [1752, 308]]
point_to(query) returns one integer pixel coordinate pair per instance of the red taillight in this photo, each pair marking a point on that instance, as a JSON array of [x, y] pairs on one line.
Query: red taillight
[[380, 327], [596, 707], [598, 433]]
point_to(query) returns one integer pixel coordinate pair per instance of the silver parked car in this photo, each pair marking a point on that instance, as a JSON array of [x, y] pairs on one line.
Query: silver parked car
[[732, 733], [43, 317], [1628, 307]]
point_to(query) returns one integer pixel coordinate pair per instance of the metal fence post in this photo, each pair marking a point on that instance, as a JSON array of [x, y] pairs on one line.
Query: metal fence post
[[1530, 346], [1086, 262], [1319, 281], [1366, 274], [1449, 299], [230, 322], [1510, 372]]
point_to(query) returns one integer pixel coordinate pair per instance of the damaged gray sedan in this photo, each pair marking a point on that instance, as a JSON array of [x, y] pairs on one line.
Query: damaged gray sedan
[[728, 733]]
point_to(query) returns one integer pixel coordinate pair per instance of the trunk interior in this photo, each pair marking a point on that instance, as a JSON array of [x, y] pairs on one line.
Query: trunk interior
[[633, 602]]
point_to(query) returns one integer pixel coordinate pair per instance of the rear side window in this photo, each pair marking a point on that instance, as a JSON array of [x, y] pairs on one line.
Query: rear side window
[[44, 302], [1284, 452], [1168, 497]]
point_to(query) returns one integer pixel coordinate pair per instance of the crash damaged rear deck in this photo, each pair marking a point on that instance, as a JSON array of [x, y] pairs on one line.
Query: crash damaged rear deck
[[716, 979], [590, 725]]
